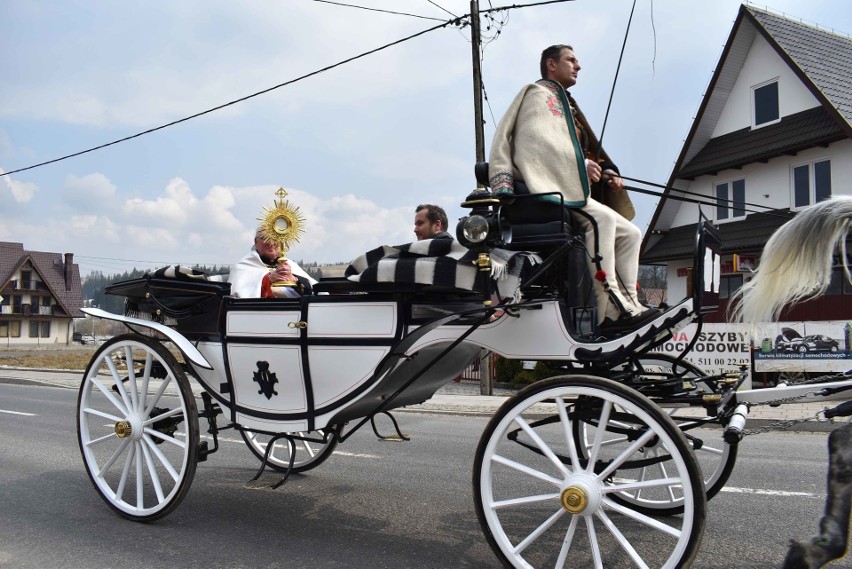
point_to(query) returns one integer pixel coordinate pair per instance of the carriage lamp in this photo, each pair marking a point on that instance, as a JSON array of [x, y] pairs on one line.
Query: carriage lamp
[[485, 226], [282, 224]]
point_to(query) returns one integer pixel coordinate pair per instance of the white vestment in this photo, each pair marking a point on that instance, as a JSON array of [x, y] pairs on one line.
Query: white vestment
[[247, 276]]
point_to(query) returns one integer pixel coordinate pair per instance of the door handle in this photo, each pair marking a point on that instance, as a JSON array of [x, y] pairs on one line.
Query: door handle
[[300, 325]]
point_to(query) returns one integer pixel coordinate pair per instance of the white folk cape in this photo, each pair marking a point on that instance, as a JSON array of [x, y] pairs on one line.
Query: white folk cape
[[534, 144], [247, 275]]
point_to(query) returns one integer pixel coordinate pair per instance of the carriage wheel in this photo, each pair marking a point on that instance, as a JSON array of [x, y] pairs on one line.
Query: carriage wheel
[[715, 457], [133, 399], [309, 453], [540, 503]]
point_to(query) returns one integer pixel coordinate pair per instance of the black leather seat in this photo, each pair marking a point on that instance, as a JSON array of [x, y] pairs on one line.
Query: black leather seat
[[537, 223]]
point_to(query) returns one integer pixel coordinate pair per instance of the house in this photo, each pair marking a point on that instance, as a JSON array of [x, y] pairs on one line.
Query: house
[[772, 136], [41, 294]]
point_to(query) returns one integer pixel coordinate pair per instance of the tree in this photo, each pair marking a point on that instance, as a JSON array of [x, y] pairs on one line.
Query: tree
[[652, 284]]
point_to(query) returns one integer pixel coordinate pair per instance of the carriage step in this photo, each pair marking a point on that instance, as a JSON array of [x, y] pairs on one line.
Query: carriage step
[[203, 451]]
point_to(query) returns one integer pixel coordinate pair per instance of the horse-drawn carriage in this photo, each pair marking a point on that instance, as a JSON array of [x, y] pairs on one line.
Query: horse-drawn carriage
[[596, 465]]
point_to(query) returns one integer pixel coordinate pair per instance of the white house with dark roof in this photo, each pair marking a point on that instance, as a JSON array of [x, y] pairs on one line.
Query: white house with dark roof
[[773, 135], [42, 294]]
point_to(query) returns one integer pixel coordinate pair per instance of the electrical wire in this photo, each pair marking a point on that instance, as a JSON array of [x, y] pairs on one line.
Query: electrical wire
[[442, 8], [380, 10], [235, 101]]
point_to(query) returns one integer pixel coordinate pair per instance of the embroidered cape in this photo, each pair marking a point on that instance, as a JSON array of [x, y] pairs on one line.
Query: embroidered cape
[[536, 142]]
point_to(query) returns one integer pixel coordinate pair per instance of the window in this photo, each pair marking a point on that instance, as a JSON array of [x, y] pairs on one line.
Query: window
[[839, 284], [730, 199], [13, 329], [4, 329], [16, 304], [766, 108], [34, 303], [45, 329], [811, 183], [26, 280], [729, 284], [34, 329]]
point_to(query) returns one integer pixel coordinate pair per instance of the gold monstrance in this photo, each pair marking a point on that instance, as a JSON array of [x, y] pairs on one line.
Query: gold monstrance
[[281, 224]]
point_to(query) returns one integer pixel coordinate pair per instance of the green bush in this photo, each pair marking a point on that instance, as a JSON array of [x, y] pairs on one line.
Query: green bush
[[513, 372]]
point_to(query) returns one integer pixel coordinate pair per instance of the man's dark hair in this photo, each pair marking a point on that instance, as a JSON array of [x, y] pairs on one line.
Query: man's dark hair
[[553, 52], [434, 213]]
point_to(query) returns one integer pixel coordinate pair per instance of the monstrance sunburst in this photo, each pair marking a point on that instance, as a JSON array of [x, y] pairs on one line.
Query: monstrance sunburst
[[283, 224]]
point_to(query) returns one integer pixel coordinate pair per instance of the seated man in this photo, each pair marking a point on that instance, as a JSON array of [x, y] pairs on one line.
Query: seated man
[[544, 141], [254, 274], [430, 222]]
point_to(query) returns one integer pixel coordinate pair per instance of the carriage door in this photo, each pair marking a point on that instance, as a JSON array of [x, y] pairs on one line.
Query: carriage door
[[264, 350]]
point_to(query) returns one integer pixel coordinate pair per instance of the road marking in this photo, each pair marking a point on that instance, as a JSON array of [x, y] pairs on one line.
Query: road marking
[[18, 413], [764, 492]]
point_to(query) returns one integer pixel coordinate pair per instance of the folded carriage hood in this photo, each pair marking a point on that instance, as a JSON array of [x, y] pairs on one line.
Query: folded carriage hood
[[184, 345]]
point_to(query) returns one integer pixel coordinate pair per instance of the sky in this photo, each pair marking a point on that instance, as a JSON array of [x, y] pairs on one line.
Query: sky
[[357, 147]]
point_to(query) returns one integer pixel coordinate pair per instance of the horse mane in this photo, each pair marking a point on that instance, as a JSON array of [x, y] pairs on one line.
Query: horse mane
[[796, 262]]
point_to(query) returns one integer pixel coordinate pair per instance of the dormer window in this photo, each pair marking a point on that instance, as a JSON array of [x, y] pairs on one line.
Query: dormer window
[[765, 106]]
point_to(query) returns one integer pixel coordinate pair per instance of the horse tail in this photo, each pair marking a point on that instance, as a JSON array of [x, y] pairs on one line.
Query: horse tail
[[796, 262]]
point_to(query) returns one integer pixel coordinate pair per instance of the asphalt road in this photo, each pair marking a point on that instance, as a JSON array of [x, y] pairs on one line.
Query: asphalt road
[[372, 504]]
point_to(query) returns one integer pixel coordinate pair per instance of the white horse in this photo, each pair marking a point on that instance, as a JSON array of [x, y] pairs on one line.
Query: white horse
[[796, 265]]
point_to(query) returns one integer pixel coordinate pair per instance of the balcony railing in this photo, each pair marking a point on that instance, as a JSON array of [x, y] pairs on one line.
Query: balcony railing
[[6, 310], [45, 310]]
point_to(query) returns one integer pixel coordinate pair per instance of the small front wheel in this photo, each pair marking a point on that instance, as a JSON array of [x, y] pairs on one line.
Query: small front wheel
[[542, 502], [137, 426]]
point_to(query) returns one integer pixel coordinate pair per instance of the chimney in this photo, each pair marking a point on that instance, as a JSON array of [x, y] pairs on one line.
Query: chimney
[[69, 261]]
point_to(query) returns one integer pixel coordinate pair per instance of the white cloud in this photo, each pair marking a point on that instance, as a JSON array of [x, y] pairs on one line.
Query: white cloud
[[21, 192]]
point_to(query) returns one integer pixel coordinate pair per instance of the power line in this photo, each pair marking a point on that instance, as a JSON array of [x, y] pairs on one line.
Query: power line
[[235, 101], [380, 10], [442, 8]]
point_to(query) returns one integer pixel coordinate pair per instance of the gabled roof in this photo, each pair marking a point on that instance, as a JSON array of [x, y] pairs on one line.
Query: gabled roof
[[744, 236], [821, 59], [51, 269]]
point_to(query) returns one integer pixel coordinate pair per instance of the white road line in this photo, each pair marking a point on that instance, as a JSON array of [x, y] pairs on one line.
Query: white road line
[[18, 413], [764, 492]]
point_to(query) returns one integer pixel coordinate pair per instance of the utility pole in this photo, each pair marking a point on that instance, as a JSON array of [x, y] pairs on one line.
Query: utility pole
[[485, 387], [477, 81]]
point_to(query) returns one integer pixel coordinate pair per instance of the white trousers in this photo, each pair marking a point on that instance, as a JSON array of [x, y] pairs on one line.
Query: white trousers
[[618, 244]]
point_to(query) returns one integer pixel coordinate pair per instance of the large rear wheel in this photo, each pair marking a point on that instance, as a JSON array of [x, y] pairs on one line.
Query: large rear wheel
[[541, 503], [133, 399]]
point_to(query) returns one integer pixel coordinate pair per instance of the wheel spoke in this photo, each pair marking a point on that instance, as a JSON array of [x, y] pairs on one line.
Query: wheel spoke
[[543, 446], [108, 464], [647, 520], [119, 383], [596, 445], [524, 500], [622, 458], [165, 437], [90, 411], [146, 376], [167, 414], [131, 377], [593, 542], [125, 473], [158, 395], [565, 421], [526, 469], [540, 530], [566, 542], [152, 471], [140, 481], [639, 485], [621, 539], [112, 398], [106, 437], [152, 447]]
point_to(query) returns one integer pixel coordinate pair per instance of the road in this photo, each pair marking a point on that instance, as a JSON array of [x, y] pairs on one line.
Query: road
[[372, 504]]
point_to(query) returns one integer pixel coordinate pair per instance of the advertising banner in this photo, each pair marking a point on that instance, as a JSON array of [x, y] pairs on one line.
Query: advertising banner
[[812, 347], [803, 346], [720, 347]]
